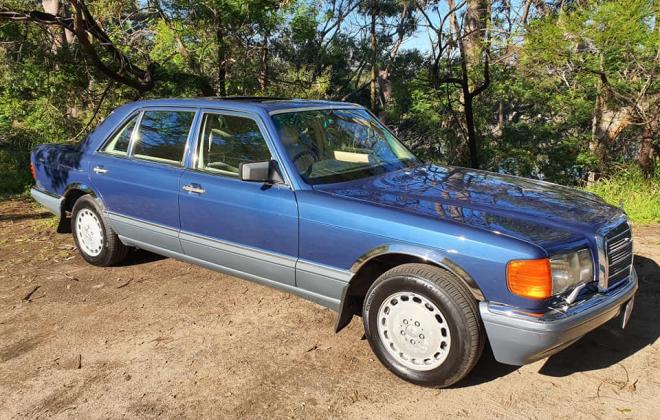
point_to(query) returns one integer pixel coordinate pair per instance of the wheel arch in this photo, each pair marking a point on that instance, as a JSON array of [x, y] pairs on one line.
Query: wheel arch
[[375, 262], [71, 194]]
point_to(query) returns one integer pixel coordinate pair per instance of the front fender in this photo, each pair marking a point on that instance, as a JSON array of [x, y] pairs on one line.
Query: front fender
[[429, 255], [348, 304]]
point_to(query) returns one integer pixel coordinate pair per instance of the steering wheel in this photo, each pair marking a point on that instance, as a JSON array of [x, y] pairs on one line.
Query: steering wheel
[[303, 153]]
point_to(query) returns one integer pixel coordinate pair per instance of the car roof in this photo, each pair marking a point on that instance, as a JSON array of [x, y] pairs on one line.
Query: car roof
[[271, 105]]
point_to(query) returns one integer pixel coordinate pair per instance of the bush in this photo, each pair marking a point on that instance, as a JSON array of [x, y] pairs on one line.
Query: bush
[[640, 197], [15, 176]]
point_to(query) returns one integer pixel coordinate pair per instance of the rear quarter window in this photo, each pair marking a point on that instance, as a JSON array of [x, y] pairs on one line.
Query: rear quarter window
[[118, 144], [162, 135]]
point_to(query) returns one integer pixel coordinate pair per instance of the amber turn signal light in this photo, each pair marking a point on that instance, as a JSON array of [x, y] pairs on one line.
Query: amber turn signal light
[[530, 278], [34, 175]]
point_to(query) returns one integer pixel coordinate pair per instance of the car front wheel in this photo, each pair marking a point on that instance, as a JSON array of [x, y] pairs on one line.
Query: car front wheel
[[423, 325]]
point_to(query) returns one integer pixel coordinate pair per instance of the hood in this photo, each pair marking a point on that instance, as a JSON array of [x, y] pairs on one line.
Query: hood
[[535, 211]]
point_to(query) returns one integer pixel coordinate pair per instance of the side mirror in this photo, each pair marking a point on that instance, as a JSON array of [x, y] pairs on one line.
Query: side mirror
[[266, 172]]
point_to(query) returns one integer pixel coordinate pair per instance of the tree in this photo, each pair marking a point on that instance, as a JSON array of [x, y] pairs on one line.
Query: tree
[[612, 50], [373, 9], [95, 44], [548, 89], [465, 46]]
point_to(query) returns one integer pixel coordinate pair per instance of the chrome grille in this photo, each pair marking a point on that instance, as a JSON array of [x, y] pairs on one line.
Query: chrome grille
[[619, 249]]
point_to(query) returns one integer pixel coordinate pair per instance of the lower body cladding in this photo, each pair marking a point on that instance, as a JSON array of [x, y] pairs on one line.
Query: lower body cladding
[[519, 339], [320, 284], [51, 202]]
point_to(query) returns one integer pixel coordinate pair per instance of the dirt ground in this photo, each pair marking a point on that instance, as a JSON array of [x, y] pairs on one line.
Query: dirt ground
[[160, 338]]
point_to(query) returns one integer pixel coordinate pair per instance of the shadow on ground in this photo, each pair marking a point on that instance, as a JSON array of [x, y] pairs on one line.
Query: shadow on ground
[[610, 344], [487, 369], [604, 347], [140, 256], [15, 217]]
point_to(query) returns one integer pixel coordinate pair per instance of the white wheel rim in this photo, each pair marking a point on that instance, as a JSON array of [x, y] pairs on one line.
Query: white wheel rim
[[414, 331], [89, 232]]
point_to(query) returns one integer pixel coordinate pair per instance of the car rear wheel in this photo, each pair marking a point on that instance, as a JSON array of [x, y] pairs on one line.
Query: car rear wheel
[[97, 242], [423, 325]]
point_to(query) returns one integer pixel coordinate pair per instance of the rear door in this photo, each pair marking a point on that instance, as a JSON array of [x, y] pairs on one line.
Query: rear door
[[137, 175], [249, 228]]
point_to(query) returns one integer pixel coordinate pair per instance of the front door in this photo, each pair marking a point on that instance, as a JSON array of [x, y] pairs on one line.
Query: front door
[[137, 175], [249, 228]]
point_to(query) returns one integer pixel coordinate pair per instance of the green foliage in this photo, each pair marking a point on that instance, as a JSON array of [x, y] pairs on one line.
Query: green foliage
[[606, 49], [34, 108], [535, 119], [639, 197], [15, 177]]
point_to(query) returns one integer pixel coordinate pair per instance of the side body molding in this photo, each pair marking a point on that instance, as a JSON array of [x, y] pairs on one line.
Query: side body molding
[[430, 256]]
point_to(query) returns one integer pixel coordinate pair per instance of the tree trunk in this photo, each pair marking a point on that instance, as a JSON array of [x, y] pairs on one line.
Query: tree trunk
[[222, 59], [471, 131], [598, 144], [57, 33], [474, 30], [374, 57], [646, 157], [606, 127], [263, 77], [385, 85], [470, 50], [525, 16], [501, 119]]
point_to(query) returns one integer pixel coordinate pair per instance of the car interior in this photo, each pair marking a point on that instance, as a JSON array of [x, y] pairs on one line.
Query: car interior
[[227, 141]]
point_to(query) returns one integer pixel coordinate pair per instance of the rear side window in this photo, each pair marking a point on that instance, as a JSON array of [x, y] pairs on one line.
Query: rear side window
[[227, 141], [162, 135], [118, 145]]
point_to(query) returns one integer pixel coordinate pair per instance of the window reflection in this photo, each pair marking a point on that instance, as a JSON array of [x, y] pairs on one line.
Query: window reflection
[[119, 143], [162, 135], [227, 141]]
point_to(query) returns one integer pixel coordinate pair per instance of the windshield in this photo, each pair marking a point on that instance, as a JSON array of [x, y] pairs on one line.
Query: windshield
[[336, 145]]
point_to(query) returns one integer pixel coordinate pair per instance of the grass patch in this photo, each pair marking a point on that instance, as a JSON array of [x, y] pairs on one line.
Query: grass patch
[[49, 223], [640, 197]]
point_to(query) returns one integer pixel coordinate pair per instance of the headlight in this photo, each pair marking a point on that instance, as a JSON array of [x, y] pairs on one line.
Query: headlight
[[544, 278], [570, 270]]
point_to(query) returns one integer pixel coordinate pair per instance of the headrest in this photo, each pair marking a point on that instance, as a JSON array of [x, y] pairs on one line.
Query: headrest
[[288, 135]]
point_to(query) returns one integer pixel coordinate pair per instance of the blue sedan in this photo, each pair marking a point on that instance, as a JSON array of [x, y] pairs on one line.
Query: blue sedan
[[320, 199]]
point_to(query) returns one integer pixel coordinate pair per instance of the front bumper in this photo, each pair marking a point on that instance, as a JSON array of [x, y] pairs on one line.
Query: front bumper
[[518, 338]]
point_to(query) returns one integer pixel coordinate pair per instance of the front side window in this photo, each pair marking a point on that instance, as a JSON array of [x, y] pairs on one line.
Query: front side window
[[118, 145], [226, 141], [162, 135], [337, 145]]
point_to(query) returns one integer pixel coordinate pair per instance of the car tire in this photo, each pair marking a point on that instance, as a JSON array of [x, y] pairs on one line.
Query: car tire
[[98, 244], [435, 336]]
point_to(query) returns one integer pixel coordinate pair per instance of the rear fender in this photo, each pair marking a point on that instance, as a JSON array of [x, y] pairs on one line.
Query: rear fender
[[71, 194]]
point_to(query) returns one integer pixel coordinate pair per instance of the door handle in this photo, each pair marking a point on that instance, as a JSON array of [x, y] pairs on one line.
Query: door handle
[[192, 188], [100, 170]]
